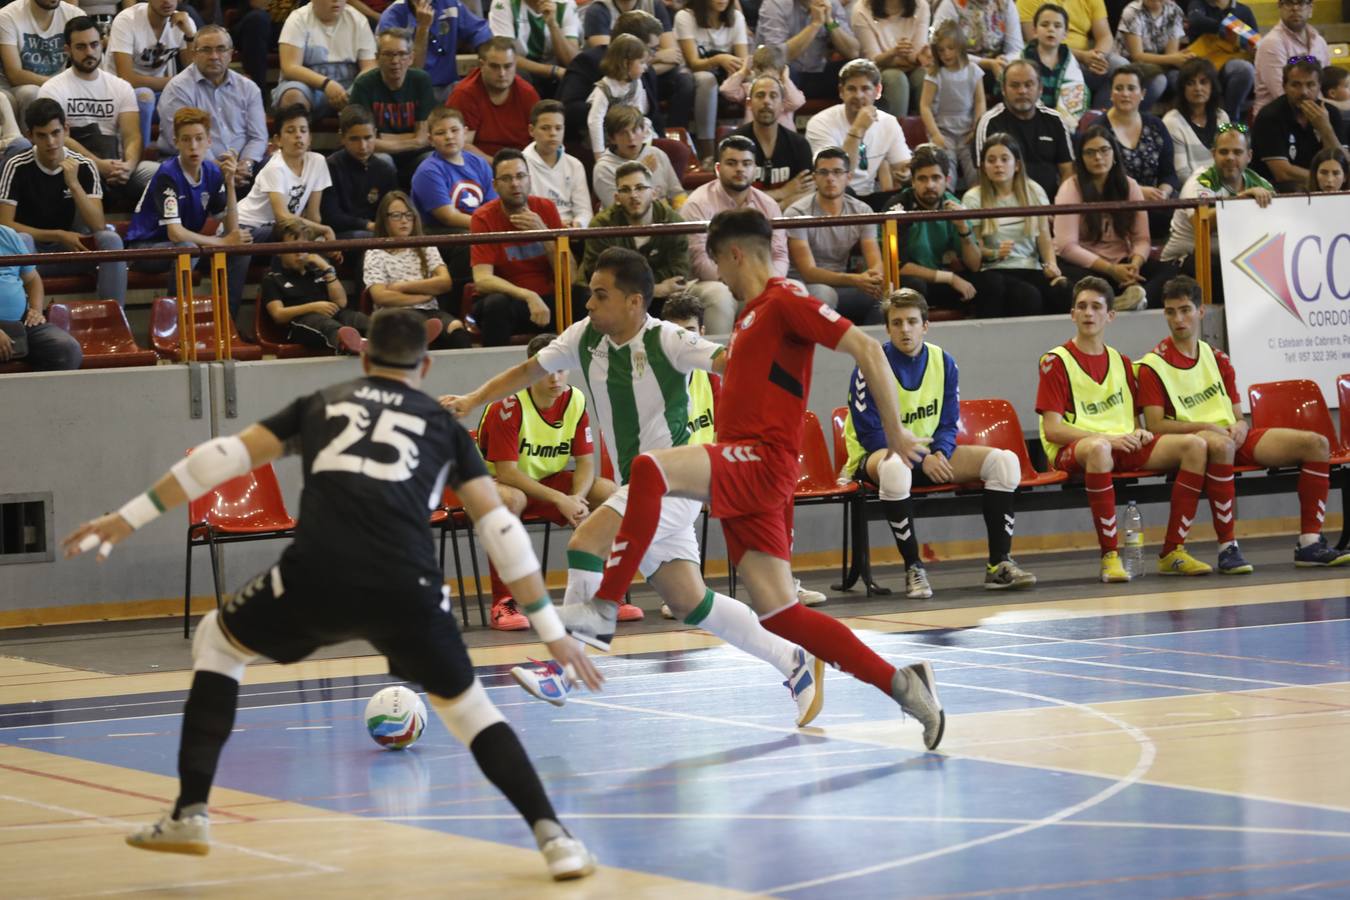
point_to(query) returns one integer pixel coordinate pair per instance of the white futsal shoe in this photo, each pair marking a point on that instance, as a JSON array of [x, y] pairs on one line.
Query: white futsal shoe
[[566, 857], [915, 689], [591, 621], [807, 686], [190, 834], [545, 681]]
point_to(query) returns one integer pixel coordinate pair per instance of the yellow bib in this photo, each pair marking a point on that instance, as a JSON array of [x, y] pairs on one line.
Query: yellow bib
[[543, 449], [1106, 408], [920, 409], [702, 427], [1197, 393]]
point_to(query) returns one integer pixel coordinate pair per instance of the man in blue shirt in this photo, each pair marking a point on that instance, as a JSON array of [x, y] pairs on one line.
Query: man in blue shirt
[[25, 334], [187, 190], [238, 121], [930, 406], [441, 28]]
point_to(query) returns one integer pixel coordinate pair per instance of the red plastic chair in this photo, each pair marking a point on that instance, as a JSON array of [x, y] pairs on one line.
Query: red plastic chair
[[450, 517], [818, 486], [102, 330], [272, 337], [994, 423], [1296, 404], [1343, 399], [247, 508], [164, 339]]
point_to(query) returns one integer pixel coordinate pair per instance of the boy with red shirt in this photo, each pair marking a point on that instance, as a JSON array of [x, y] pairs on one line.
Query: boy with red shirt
[[750, 472], [514, 281], [528, 440], [1089, 425], [1188, 387]]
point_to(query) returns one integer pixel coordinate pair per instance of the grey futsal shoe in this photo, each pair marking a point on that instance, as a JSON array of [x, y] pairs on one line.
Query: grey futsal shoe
[[915, 689], [190, 834], [566, 857], [1007, 576], [592, 622], [916, 583]]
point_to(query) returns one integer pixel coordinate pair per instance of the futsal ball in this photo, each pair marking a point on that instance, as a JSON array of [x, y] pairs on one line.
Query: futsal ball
[[395, 718]]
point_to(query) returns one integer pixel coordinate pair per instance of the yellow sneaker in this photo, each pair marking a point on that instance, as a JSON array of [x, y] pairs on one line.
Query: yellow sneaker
[[1179, 562], [1113, 570]]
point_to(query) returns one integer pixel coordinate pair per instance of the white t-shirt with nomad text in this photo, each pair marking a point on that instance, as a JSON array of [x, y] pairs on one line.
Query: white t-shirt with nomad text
[[276, 177], [885, 143], [98, 101]]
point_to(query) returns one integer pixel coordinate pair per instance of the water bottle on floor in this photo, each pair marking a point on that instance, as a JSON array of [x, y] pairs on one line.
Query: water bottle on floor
[[1132, 554]]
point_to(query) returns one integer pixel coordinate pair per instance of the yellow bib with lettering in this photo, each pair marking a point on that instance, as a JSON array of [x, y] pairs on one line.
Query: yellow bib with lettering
[[544, 449], [1197, 393], [1106, 408], [702, 427], [920, 409]]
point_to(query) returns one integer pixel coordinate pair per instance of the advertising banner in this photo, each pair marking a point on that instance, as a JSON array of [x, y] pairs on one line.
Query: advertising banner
[[1286, 284]]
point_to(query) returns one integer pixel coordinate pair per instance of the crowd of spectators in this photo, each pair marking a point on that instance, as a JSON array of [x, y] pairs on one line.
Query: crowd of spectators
[[565, 118]]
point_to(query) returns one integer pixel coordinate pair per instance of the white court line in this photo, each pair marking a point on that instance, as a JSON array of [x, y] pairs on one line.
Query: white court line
[[134, 734], [309, 727], [839, 817], [124, 825], [1147, 753]]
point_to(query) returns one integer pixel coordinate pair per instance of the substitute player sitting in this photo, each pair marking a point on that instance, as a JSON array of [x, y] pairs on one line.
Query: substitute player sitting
[[1086, 401], [637, 370], [1188, 387], [925, 379], [528, 441], [750, 473], [376, 451]]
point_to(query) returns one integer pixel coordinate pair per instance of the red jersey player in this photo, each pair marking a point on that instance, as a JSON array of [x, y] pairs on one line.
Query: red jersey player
[[750, 472]]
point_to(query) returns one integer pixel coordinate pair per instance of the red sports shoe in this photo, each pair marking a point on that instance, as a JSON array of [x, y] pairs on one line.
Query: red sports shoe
[[630, 613], [505, 616]]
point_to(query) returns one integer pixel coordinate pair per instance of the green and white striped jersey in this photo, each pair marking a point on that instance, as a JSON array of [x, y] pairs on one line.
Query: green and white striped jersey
[[639, 390]]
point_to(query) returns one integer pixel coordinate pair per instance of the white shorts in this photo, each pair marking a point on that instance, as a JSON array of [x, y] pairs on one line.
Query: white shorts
[[675, 537]]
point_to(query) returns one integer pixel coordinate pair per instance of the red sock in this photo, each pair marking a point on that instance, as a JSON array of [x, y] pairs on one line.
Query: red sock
[[1220, 489], [831, 641], [499, 590], [1185, 498], [646, 486], [1102, 501], [1313, 481]]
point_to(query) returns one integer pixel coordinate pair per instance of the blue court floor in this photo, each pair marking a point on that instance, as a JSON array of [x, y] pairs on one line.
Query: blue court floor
[[1140, 756]]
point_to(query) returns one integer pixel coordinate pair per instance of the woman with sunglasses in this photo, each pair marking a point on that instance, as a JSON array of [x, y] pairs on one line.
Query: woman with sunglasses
[[410, 277], [1113, 244]]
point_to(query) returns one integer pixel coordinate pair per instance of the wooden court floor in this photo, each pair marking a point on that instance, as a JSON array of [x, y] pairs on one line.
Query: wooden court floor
[[1174, 744]]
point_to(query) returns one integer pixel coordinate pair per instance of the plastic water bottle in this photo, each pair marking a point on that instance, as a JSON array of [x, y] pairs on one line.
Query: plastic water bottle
[[1133, 553]]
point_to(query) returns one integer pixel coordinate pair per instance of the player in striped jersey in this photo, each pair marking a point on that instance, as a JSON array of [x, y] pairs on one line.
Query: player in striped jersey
[[636, 369]]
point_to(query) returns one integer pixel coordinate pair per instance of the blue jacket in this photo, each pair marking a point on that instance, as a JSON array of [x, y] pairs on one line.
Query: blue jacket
[[453, 30]]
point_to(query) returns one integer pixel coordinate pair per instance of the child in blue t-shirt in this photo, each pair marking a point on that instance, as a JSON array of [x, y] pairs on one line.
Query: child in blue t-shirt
[[450, 184]]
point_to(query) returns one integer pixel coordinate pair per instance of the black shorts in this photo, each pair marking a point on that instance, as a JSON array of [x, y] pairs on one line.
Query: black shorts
[[287, 618]]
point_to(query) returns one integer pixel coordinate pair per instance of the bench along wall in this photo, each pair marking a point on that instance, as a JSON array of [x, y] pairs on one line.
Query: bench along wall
[[90, 439]]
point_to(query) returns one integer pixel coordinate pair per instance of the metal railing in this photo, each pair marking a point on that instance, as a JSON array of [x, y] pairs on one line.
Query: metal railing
[[562, 255]]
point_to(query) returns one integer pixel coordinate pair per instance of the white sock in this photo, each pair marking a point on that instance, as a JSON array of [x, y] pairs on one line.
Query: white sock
[[581, 586], [737, 624], [1225, 545], [1307, 540]]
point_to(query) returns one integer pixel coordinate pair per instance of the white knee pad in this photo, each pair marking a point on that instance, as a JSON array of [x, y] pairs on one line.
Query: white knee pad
[[210, 464], [469, 714], [1001, 471], [507, 545], [213, 652], [894, 478]]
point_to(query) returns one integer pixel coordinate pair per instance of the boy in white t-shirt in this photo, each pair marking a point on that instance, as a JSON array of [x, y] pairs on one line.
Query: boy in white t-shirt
[[32, 47], [554, 173], [323, 46], [290, 186], [101, 115], [150, 43]]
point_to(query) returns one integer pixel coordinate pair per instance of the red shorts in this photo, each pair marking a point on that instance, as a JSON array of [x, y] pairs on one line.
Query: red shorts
[[751, 491], [1246, 454], [1125, 461], [559, 481]]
